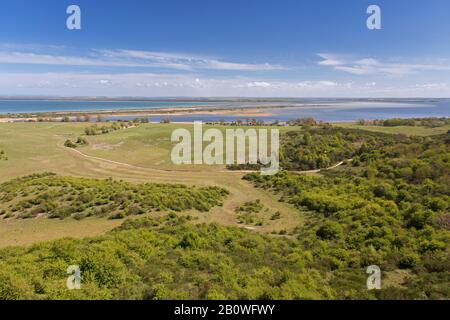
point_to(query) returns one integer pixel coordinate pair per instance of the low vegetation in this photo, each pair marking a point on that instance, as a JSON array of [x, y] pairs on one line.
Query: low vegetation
[[417, 122], [390, 208], [249, 213], [164, 258], [54, 196], [3, 155], [322, 147], [104, 129], [81, 141]]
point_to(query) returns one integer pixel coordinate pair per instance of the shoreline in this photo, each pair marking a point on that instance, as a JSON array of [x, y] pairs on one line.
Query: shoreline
[[242, 111], [262, 112]]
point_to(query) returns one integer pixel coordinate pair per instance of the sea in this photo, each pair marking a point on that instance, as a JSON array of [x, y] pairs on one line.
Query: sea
[[332, 110]]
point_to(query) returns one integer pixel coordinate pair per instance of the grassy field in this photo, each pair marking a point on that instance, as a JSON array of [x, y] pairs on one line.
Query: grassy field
[[138, 155]]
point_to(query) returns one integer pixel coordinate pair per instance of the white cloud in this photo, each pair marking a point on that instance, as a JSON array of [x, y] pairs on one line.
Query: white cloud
[[186, 61], [432, 86], [160, 84], [330, 60], [104, 82], [258, 84], [32, 58], [130, 58], [370, 66]]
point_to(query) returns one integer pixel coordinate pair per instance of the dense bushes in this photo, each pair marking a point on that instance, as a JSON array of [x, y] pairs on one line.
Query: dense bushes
[[326, 146], [322, 147], [69, 144], [164, 258], [62, 197], [422, 122], [390, 208]]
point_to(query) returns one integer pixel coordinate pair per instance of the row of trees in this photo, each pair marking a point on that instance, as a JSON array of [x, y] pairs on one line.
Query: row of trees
[[104, 129], [413, 122], [78, 118]]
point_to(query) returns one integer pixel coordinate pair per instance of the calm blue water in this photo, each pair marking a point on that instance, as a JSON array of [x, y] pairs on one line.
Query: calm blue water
[[35, 106], [320, 109]]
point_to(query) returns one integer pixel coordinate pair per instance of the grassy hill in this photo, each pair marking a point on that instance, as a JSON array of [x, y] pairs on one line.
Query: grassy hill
[[292, 236]]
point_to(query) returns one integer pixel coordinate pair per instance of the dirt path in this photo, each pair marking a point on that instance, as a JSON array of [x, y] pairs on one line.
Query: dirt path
[[197, 171], [318, 170]]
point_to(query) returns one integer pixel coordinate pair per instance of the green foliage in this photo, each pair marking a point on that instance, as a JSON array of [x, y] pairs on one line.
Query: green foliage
[[323, 147], [62, 197], [82, 141], [276, 216], [3, 156], [69, 144], [418, 122], [164, 258], [330, 230], [248, 213], [303, 122], [97, 130], [391, 209]]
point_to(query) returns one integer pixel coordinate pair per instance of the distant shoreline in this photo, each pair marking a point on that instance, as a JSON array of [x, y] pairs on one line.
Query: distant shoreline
[[244, 111], [277, 109]]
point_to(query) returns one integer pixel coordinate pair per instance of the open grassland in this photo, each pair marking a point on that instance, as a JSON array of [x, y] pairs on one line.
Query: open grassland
[[137, 155], [383, 199], [28, 232]]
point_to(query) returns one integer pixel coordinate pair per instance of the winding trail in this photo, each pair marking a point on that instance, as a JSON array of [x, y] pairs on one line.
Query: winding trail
[[196, 171], [324, 169]]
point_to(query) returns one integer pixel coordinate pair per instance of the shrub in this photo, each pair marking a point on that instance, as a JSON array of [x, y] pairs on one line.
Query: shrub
[[69, 144], [330, 230]]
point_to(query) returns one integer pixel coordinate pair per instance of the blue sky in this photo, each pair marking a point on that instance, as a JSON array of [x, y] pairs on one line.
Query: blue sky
[[253, 48]]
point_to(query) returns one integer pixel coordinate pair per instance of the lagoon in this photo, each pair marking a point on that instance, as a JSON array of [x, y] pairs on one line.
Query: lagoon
[[274, 109]]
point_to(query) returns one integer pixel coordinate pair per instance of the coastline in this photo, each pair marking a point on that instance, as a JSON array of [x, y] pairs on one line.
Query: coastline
[[275, 111], [242, 111]]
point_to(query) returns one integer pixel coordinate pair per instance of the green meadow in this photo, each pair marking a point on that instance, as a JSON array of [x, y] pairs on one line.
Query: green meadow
[[350, 196], [137, 155]]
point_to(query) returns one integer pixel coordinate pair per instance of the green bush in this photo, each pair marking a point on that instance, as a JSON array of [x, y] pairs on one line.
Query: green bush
[[81, 197]]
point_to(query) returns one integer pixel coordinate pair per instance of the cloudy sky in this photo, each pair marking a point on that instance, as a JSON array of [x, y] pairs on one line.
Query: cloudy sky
[[251, 48]]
